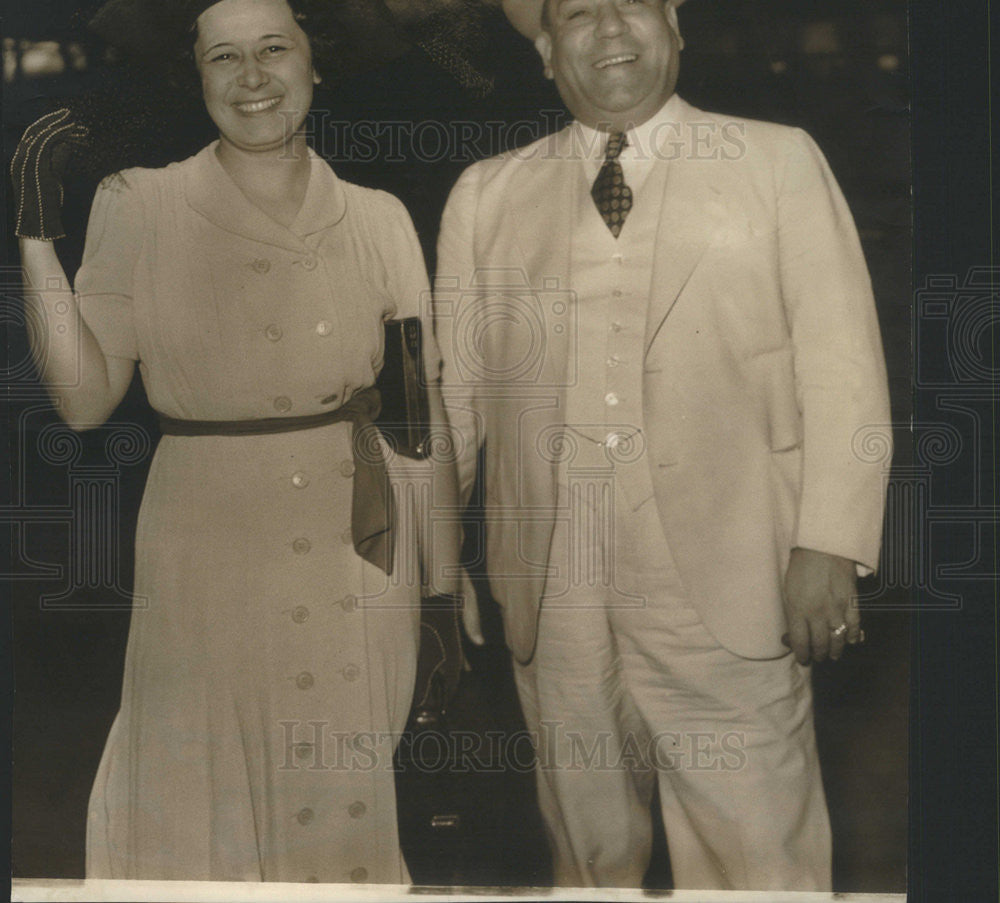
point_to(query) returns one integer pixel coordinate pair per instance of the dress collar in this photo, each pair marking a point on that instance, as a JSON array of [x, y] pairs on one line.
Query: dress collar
[[211, 191]]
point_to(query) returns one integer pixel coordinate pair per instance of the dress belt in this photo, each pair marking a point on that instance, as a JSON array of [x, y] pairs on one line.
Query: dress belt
[[373, 512]]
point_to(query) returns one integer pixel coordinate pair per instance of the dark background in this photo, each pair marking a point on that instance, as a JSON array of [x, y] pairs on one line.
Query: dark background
[[842, 70]]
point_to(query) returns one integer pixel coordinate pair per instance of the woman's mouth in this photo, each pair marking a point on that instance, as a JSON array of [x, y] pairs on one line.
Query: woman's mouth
[[616, 60], [257, 106]]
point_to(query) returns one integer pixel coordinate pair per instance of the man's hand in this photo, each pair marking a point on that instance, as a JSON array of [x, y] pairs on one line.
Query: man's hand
[[470, 611], [820, 605]]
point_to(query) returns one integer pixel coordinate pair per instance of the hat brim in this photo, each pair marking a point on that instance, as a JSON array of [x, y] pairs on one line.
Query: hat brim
[[526, 15]]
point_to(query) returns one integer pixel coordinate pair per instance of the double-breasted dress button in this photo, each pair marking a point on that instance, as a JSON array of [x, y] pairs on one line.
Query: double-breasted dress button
[[349, 603], [309, 262], [273, 332], [359, 875], [261, 265], [616, 326], [347, 468], [300, 479], [617, 293], [324, 327], [301, 546], [302, 750], [300, 614], [305, 680], [352, 672], [305, 816], [282, 403], [357, 809], [611, 399]]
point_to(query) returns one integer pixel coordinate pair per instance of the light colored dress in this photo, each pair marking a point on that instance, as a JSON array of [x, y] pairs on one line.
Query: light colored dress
[[269, 668]]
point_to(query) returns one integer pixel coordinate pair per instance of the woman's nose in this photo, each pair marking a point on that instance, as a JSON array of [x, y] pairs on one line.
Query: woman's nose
[[252, 74]]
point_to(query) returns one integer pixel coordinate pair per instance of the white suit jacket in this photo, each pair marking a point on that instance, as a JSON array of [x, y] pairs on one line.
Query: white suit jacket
[[765, 403]]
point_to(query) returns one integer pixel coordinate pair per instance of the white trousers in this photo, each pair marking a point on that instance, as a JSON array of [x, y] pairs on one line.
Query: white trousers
[[624, 691]]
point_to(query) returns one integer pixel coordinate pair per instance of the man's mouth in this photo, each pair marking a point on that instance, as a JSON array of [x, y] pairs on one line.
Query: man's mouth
[[257, 106], [616, 60]]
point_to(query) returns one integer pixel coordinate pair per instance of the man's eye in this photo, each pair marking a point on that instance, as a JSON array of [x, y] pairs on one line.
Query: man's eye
[[273, 49]]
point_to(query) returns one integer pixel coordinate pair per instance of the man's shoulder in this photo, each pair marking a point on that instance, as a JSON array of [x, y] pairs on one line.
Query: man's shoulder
[[704, 127], [522, 162]]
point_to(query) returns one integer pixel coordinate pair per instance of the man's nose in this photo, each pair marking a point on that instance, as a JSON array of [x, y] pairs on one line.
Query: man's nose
[[610, 21], [252, 74]]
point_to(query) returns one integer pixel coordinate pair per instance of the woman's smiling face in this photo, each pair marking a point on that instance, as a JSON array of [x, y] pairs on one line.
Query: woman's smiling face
[[256, 71]]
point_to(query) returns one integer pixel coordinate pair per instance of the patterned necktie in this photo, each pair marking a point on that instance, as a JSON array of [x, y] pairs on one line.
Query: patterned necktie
[[612, 196]]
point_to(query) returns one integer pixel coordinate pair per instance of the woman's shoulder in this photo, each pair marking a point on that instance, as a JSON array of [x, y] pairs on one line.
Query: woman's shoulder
[[373, 201], [146, 179]]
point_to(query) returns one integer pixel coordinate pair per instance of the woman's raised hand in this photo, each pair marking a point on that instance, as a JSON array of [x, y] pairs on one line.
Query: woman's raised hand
[[37, 171]]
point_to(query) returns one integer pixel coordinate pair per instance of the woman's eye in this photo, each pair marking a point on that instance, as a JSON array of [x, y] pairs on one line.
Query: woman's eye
[[224, 57]]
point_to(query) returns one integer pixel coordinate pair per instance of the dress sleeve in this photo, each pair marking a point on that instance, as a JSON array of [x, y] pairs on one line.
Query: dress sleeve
[[104, 282], [406, 274]]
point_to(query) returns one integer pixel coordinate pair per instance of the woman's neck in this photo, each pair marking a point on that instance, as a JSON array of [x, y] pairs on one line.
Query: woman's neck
[[273, 179]]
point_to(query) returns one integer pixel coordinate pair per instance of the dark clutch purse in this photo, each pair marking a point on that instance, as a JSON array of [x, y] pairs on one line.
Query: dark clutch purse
[[405, 416]]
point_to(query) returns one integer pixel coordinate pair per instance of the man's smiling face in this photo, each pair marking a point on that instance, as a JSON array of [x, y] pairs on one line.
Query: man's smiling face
[[615, 62]]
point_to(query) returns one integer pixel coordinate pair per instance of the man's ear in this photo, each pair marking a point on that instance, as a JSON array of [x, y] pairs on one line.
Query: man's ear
[[543, 44], [674, 24]]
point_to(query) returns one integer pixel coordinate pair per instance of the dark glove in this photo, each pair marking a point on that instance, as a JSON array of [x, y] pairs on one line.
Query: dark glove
[[37, 171]]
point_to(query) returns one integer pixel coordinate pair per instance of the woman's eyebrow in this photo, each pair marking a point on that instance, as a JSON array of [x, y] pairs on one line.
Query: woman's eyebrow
[[264, 37]]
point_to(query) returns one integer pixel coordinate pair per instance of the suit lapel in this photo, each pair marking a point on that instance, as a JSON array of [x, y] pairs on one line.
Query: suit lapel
[[543, 242], [691, 215]]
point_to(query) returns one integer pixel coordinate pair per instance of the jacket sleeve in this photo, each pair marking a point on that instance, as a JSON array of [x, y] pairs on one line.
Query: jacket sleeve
[[840, 375], [456, 265]]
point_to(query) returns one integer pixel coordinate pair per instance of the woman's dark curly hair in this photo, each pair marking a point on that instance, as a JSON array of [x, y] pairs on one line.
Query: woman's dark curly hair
[[145, 106]]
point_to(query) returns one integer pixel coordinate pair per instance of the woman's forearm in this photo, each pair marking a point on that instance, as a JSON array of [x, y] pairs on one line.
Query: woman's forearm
[[84, 385]]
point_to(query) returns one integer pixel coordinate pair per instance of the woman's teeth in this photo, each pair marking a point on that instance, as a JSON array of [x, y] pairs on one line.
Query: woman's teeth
[[257, 106]]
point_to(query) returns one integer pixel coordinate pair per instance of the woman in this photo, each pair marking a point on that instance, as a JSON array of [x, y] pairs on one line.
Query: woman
[[271, 656]]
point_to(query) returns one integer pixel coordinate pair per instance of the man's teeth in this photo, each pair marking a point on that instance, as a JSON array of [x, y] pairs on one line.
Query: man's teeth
[[257, 106], [615, 60]]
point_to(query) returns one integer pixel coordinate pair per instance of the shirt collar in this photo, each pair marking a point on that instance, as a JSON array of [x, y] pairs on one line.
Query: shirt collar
[[647, 142]]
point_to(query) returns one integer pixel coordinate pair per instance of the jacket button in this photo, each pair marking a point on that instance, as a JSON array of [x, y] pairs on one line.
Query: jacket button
[[305, 816], [282, 403], [305, 681], [347, 468], [359, 875], [273, 332], [349, 603], [352, 672], [300, 614], [301, 546], [261, 265], [300, 480], [309, 263], [356, 810]]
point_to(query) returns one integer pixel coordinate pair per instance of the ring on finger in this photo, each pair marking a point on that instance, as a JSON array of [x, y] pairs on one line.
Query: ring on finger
[[838, 631]]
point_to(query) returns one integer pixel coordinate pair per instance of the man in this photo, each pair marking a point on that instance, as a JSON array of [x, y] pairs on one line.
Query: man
[[660, 322]]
